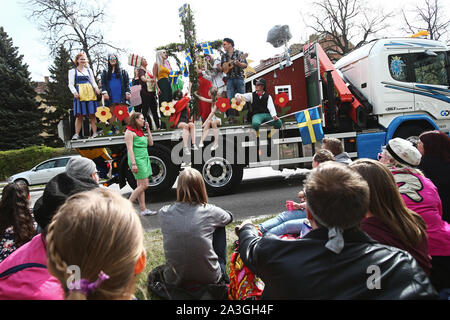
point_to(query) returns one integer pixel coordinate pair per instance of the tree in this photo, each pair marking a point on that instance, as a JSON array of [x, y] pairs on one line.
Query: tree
[[20, 116], [57, 96], [190, 45], [74, 24], [429, 16], [344, 25]]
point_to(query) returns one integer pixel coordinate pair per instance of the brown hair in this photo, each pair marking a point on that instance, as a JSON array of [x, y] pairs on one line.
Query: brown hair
[[436, 144], [132, 122], [97, 230], [323, 155], [191, 187], [336, 196], [14, 211], [333, 144], [386, 202]]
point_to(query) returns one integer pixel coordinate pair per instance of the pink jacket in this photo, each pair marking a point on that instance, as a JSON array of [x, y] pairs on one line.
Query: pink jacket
[[31, 283], [421, 196]]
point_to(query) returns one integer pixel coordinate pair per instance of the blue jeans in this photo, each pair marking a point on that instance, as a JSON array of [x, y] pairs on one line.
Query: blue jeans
[[234, 85], [287, 222]]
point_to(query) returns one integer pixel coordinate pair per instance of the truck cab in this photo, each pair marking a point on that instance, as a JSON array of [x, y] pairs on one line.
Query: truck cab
[[406, 81]]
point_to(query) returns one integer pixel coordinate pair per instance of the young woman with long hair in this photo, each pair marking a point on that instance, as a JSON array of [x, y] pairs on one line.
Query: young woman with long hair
[[211, 120], [16, 221], [389, 221]]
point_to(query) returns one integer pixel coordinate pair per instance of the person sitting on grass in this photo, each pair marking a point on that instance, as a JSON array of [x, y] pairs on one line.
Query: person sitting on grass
[[292, 220], [194, 237], [97, 234]]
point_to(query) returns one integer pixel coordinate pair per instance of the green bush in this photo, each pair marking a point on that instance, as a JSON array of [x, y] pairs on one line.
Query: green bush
[[15, 161]]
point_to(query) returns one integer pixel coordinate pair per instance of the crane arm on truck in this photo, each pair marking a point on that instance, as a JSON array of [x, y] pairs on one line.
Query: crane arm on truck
[[355, 109]]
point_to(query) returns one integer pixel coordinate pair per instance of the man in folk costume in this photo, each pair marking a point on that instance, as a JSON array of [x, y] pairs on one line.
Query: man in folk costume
[[262, 105]]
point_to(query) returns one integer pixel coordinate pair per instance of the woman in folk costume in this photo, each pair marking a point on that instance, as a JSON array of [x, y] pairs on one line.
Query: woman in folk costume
[[84, 88], [180, 119]]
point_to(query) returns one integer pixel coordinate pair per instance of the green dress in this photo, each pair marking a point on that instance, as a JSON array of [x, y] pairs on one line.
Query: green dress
[[141, 157]]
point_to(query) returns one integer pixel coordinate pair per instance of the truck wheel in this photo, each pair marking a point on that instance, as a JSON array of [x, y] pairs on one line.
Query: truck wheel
[[164, 172], [220, 176]]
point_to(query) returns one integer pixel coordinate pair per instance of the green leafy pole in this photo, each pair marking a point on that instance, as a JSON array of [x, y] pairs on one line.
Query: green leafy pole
[[189, 46]]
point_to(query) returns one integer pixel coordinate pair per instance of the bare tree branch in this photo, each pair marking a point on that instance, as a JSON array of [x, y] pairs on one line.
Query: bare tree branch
[[75, 24]]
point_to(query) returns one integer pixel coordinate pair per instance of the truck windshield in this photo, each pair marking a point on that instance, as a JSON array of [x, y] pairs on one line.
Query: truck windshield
[[420, 68], [430, 69]]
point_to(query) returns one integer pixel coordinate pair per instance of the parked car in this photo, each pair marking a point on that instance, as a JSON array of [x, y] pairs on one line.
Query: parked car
[[43, 172]]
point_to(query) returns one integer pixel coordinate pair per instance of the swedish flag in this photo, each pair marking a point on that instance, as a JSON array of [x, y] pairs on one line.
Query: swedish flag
[[188, 57], [186, 70], [173, 77], [309, 124], [207, 49]]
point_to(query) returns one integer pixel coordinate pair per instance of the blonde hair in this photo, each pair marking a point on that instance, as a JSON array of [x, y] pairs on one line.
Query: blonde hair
[[160, 60], [97, 230], [191, 187]]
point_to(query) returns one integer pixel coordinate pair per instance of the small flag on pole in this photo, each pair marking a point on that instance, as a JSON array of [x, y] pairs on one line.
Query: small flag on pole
[[207, 49], [188, 57], [173, 77], [309, 124], [182, 10]]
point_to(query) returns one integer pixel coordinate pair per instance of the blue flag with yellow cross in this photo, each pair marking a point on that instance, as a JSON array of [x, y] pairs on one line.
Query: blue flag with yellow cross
[[310, 126]]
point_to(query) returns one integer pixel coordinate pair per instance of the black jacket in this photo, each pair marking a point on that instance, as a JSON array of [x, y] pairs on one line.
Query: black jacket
[[306, 269]]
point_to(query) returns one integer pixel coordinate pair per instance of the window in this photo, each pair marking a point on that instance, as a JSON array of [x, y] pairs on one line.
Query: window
[[61, 162], [430, 69], [46, 165], [287, 89], [397, 67]]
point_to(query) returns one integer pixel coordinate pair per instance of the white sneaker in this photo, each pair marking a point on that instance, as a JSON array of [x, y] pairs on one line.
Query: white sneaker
[[94, 135], [186, 151], [214, 147], [75, 137], [148, 212], [194, 147], [201, 145]]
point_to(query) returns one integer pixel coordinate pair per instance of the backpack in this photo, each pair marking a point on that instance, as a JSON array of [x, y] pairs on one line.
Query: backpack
[[244, 284]]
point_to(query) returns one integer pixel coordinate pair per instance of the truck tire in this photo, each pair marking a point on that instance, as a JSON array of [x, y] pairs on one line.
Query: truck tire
[[164, 172], [220, 176]]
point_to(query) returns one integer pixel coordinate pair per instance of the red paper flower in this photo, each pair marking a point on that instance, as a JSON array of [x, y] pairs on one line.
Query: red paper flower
[[121, 112], [223, 104], [281, 99]]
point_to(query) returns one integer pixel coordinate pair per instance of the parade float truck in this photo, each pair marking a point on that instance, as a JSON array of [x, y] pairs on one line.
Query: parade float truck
[[385, 89]]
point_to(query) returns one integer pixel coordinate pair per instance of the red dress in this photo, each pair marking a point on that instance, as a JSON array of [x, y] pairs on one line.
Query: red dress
[[204, 108]]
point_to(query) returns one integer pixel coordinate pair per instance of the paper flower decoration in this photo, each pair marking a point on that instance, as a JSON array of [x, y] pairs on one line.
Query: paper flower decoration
[[121, 112], [281, 99], [103, 114], [167, 108], [223, 104], [236, 106]]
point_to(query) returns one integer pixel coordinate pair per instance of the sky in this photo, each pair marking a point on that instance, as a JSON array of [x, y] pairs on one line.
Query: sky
[[139, 26]]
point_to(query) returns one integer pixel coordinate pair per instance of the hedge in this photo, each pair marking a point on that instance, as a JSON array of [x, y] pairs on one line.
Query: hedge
[[15, 161]]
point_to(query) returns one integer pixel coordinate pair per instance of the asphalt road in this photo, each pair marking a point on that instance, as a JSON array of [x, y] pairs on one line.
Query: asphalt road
[[262, 192]]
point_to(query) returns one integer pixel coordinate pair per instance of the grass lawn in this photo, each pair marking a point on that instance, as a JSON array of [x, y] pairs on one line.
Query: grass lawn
[[153, 242]]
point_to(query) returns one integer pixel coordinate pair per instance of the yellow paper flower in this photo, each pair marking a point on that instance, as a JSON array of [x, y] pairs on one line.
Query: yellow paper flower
[[237, 107], [103, 114], [167, 108]]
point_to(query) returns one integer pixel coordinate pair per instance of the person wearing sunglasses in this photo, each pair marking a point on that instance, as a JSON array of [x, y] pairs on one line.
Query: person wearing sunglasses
[[115, 85]]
